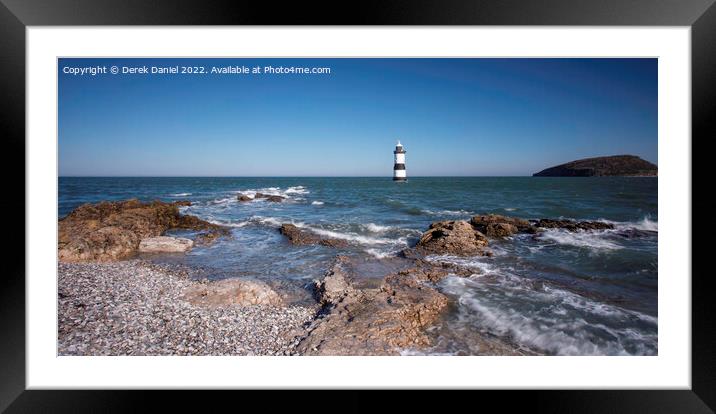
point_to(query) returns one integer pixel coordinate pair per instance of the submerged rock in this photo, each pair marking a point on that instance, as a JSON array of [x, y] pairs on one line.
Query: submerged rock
[[269, 197], [301, 237], [571, 225], [452, 237], [243, 198], [232, 292], [110, 231], [165, 244]]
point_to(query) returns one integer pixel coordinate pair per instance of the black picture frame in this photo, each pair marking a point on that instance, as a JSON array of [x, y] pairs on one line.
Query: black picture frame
[[16, 15]]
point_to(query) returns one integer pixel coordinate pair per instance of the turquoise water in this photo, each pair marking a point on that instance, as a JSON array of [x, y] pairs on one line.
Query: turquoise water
[[587, 293]]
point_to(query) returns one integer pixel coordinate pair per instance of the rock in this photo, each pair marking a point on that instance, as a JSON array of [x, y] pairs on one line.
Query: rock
[[109, 231], [297, 236], [337, 243], [335, 286], [482, 222], [244, 198], [165, 244], [206, 238], [232, 292], [617, 165], [571, 225], [301, 237], [376, 321], [182, 203], [452, 237], [500, 230], [269, 197]]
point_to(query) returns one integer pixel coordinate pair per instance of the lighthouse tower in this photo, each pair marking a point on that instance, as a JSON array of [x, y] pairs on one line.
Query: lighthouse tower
[[399, 166]]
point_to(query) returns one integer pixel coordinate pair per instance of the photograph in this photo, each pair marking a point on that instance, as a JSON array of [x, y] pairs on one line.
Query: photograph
[[357, 206]]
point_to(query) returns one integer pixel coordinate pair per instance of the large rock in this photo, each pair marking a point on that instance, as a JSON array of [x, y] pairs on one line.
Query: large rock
[[237, 292], [572, 225], [243, 198], [452, 237], [302, 237], [165, 244], [109, 231], [375, 321]]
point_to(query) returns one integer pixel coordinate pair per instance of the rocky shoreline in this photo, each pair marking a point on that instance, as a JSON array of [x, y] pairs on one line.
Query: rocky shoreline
[[112, 304]]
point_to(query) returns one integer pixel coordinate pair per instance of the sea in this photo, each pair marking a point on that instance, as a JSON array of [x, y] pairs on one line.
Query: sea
[[555, 293]]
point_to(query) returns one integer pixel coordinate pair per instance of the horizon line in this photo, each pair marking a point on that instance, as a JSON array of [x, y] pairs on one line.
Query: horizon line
[[282, 176]]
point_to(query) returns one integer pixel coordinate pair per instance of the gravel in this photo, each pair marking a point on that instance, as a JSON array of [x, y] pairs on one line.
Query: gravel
[[135, 308]]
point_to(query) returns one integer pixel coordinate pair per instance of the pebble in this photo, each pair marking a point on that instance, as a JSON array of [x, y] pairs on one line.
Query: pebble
[[135, 308]]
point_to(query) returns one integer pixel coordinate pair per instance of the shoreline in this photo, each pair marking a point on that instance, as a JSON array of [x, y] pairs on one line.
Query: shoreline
[[113, 302]]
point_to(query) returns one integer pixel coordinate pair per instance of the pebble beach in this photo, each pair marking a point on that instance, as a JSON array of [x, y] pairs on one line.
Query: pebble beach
[[136, 308]]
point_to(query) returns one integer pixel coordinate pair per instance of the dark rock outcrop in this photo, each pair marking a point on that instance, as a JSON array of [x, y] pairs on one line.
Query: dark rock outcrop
[[572, 225], [244, 198], [617, 165], [301, 237], [109, 231]]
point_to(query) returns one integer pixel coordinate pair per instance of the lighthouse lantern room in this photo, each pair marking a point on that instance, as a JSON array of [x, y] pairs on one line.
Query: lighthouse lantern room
[[399, 165]]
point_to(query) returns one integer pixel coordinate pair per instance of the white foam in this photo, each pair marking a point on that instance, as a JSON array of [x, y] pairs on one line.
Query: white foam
[[645, 224], [271, 221], [228, 223], [317, 203], [379, 254], [447, 212], [296, 190], [510, 208], [357, 238], [180, 195], [475, 263], [376, 228], [552, 319], [586, 239]]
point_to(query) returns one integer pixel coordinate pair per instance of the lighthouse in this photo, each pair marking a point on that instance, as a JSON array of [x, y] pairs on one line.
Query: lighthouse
[[399, 165]]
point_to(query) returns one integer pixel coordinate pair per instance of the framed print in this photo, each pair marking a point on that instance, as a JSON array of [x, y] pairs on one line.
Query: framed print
[[481, 195]]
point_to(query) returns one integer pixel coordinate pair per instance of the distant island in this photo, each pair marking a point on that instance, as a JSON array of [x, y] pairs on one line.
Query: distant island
[[616, 165]]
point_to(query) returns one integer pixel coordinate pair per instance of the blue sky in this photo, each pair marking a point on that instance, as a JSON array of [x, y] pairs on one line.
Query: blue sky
[[474, 117]]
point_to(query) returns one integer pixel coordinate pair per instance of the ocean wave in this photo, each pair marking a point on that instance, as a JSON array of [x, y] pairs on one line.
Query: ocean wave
[[551, 319], [229, 223], [317, 203], [376, 228], [645, 224], [473, 263], [180, 195], [352, 237], [595, 240], [296, 190], [379, 254], [447, 212], [290, 193]]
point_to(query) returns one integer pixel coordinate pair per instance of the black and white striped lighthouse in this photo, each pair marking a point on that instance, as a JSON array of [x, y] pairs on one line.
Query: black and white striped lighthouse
[[399, 165]]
